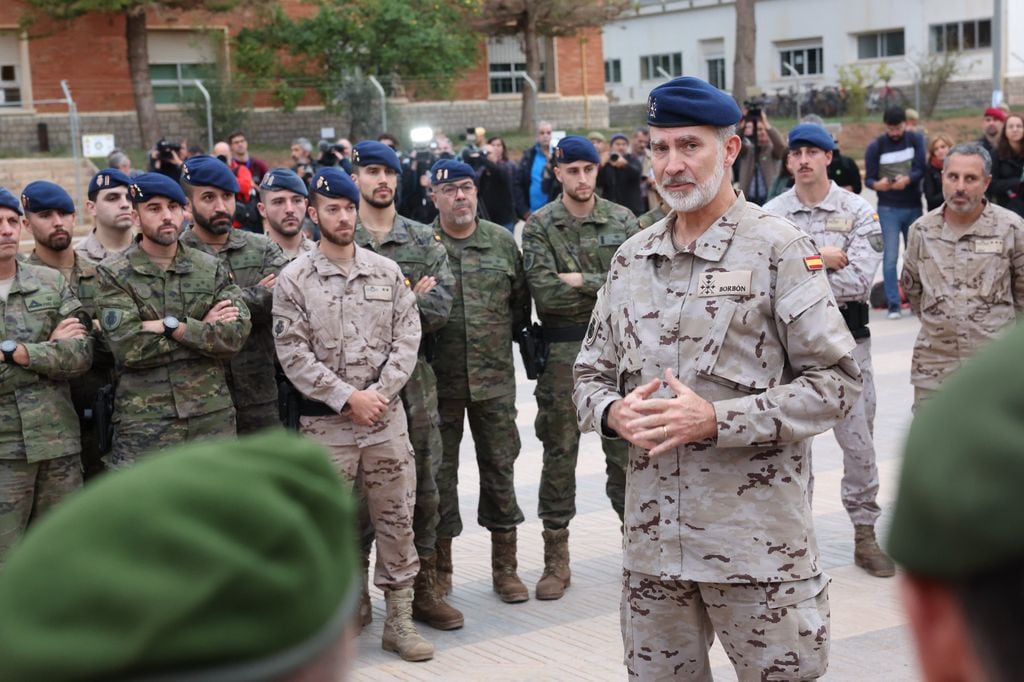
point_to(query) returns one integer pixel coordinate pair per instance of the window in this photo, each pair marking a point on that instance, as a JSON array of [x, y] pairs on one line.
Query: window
[[176, 58], [172, 83], [716, 72], [661, 66], [801, 61], [613, 71], [961, 35], [881, 44], [505, 60], [10, 70]]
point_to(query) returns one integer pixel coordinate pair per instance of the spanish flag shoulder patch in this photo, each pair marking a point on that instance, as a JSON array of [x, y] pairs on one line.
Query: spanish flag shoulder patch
[[814, 262]]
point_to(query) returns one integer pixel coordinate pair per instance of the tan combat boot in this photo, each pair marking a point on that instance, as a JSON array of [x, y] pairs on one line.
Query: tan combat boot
[[503, 568], [400, 634], [443, 563], [556, 565], [365, 608], [869, 556], [427, 606]]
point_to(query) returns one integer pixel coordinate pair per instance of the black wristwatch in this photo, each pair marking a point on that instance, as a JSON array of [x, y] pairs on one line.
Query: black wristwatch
[[171, 325], [7, 348]]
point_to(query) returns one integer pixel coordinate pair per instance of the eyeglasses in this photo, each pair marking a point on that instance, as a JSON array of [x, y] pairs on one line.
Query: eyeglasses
[[451, 191]]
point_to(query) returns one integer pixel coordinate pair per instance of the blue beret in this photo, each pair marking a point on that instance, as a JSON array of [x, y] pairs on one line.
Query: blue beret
[[373, 153], [148, 185], [335, 183], [618, 136], [42, 195], [8, 200], [572, 148], [689, 101], [105, 179], [207, 171], [810, 134], [450, 170], [284, 178]]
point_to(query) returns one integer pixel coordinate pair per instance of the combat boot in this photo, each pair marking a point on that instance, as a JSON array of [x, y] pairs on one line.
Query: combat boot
[[365, 608], [400, 634], [503, 567], [556, 575], [869, 556], [443, 563], [427, 606]]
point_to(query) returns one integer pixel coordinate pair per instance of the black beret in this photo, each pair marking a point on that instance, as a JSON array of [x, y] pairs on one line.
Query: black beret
[[373, 153], [105, 179], [283, 179], [689, 101], [148, 185], [450, 170], [42, 195], [810, 134], [207, 171], [335, 183], [8, 200], [572, 148]]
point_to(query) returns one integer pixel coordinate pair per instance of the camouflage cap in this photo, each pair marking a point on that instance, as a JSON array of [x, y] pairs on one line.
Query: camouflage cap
[[959, 508], [226, 560]]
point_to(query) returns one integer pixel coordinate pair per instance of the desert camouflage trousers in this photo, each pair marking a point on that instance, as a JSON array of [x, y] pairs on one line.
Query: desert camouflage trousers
[[29, 490]]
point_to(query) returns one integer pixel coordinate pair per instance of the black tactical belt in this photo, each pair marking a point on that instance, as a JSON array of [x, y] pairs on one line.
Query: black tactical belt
[[315, 408], [564, 334], [856, 315]]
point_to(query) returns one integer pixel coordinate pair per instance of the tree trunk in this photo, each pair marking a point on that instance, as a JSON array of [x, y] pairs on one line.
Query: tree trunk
[[531, 48], [744, 74], [138, 66]]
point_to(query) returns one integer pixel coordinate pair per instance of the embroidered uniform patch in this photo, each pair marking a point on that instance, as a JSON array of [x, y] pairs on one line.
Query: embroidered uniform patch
[[111, 318], [988, 245], [814, 262], [724, 284], [373, 292]]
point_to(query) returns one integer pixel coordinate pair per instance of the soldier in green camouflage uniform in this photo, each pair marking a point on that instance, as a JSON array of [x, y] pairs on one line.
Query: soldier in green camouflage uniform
[[424, 263], [475, 371], [44, 345], [253, 263], [567, 249], [172, 316], [653, 216]]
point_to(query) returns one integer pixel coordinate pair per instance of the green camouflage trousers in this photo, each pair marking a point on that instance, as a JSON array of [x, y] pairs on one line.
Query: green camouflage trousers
[[253, 418], [29, 490], [496, 439], [557, 429], [133, 439]]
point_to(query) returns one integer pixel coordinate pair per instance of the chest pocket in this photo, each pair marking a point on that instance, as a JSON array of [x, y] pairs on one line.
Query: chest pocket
[[742, 350], [413, 268], [29, 322], [194, 293], [245, 266]]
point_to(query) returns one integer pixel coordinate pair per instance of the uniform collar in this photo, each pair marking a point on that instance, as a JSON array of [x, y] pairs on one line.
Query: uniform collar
[[473, 241], [326, 268], [830, 203], [25, 281], [82, 266], [710, 246], [398, 234], [563, 219], [236, 240], [987, 224], [140, 262]]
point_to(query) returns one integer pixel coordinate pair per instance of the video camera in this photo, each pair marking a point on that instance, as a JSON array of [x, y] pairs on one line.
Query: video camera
[[329, 153], [755, 106], [166, 149]]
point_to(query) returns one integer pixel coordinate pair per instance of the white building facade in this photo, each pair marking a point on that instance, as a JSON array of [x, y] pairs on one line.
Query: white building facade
[[802, 43]]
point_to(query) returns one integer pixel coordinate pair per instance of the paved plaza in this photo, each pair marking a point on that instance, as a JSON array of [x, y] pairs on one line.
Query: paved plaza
[[577, 637]]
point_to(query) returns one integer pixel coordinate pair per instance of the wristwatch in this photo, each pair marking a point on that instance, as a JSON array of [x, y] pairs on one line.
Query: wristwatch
[[171, 325], [7, 348]]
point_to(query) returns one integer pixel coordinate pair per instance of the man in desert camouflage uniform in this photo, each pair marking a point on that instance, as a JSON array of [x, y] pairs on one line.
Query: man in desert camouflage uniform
[[172, 316], [845, 227], [963, 271], [252, 262], [347, 330], [43, 345], [568, 246], [717, 350], [424, 264], [110, 206], [475, 371], [52, 228], [284, 200]]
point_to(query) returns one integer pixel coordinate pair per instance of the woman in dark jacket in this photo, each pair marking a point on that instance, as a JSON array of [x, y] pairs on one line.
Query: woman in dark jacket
[[1008, 166], [932, 184], [497, 189]]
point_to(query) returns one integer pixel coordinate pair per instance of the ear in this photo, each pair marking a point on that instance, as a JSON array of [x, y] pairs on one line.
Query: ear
[[732, 149], [558, 172], [262, 209], [311, 210]]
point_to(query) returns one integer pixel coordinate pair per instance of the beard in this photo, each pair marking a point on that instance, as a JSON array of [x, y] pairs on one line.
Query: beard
[[219, 223], [285, 230], [59, 240], [576, 194], [158, 237], [702, 194], [378, 203], [337, 239]]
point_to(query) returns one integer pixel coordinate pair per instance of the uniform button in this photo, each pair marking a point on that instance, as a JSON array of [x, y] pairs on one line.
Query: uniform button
[[668, 522]]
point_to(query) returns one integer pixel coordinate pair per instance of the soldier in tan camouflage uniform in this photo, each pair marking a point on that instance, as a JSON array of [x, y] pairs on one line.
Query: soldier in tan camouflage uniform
[[347, 329], [567, 249], [845, 227], [172, 316], [717, 350], [424, 263], [253, 262], [284, 200], [475, 372], [44, 344], [52, 228], [110, 206]]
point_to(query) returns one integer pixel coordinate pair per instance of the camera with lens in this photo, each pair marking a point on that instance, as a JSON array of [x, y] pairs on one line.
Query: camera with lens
[[330, 154], [613, 157], [166, 149], [755, 106]]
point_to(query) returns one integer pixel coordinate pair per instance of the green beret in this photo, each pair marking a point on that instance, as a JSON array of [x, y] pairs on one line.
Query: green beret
[[959, 507], [232, 560]]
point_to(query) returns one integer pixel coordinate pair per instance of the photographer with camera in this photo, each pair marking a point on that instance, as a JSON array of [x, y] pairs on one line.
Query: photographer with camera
[[495, 175], [336, 154], [762, 153], [302, 159], [620, 178], [166, 157]]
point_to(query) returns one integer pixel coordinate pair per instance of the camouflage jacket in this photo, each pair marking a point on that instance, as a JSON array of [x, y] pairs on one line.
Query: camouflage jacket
[[336, 335], [966, 288], [473, 359], [160, 378], [556, 242], [91, 248], [846, 221], [305, 246], [37, 419], [743, 317], [249, 258], [651, 217]]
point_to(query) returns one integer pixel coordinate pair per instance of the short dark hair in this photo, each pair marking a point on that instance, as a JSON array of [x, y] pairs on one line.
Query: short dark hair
[[389, 137], [236, 133], [991, 604], [894, 116]]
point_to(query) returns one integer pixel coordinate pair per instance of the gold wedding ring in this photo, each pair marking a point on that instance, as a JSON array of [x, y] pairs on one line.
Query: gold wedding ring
[[664, 433]]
